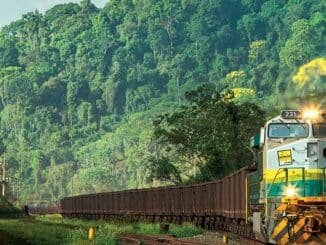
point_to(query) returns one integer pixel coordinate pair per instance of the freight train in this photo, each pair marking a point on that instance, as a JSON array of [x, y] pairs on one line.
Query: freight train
[[279, 199]]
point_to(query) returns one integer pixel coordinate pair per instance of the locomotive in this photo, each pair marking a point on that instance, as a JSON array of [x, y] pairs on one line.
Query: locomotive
[[287, 192], [279, 199]]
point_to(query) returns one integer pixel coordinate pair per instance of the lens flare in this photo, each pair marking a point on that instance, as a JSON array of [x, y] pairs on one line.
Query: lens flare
[[291, 191], [310, 113]]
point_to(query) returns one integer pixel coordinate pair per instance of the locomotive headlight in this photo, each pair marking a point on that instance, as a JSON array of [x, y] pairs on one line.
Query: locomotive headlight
[[310, 113], [291, 191], [312, 150]]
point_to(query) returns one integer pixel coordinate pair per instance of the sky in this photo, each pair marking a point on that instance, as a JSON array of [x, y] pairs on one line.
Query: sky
[[11, 10]]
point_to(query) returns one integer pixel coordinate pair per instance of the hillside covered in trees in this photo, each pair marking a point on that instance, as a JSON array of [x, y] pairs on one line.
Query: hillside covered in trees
[[85, 92]]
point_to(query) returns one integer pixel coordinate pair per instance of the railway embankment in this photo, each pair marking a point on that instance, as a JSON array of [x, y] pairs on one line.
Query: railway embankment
[[53, 229]]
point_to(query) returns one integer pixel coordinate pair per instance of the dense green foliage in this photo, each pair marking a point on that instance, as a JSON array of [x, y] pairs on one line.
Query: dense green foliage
[[7, 210], [80, 86], [210, 135]]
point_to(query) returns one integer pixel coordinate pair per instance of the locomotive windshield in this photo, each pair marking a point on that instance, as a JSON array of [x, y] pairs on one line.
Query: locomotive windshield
[[319, 130], [288, 130]]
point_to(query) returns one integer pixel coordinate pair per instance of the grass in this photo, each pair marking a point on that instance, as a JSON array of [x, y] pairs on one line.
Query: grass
[[57, 230]]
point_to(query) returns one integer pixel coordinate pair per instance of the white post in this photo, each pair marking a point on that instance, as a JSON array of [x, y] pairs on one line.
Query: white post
[[4, 176]]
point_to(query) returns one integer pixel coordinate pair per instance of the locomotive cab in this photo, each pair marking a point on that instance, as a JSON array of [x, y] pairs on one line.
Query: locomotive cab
[[293, 182]]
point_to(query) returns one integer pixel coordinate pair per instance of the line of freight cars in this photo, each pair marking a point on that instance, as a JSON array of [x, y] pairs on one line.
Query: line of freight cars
[[219, 204]]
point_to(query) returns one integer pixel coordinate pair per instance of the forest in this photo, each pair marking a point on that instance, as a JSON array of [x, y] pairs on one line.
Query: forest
[[145, 93]]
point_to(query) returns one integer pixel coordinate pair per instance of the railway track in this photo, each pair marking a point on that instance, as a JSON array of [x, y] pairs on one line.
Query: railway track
[[137, 239], [246, 241]]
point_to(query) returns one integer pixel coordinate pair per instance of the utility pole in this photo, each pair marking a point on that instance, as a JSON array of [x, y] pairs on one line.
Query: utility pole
[[4, 176]]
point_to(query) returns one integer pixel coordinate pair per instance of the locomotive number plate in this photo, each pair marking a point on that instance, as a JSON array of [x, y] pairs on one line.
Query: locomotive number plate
[[291, 114], [284, 157]]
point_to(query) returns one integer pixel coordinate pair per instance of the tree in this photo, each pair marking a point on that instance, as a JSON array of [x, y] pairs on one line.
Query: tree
[[207, 131], [311, 76], [300, 47], [162, 169], [8, 51], [256, 51], [234, 79], [15, 87], [252, 26]]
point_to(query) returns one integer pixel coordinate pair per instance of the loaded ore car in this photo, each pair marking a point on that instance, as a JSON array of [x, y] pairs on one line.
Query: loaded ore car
[[280, 199], [215, 204]]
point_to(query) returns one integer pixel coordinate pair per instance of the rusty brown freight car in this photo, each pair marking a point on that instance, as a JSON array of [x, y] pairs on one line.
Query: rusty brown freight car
[[234, 194], [207, 204]]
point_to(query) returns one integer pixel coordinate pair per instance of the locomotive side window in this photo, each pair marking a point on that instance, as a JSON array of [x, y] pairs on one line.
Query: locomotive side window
[[319, 130], [288, 130]]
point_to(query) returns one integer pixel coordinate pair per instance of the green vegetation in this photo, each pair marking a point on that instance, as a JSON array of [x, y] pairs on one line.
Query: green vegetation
[[7, 209], [56, 230], [80, 88], [204, 133]]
